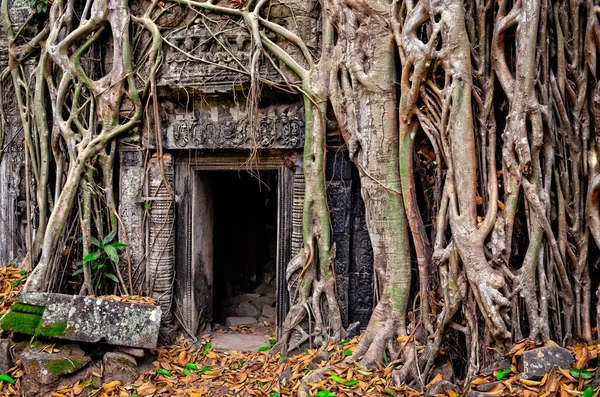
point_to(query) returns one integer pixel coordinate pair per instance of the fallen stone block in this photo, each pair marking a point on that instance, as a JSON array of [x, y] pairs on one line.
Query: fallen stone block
[[269, 311], [132, 351], [119, 366], [84, 319], [6, 362], [247, 309], [239, 321], [47, 368], [538, 362]]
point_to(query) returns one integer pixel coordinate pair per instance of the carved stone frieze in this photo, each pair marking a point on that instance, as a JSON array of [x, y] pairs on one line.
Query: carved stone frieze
[[228, 127]]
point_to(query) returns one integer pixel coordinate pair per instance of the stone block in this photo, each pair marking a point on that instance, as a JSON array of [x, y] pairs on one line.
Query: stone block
[[262, 301], [239, 321], [47, 368], [119, 366], [538, 362], [269, 311], [238, 299], [93, 320], [6, 362], [132, 351], [247, 309], [440, 388]]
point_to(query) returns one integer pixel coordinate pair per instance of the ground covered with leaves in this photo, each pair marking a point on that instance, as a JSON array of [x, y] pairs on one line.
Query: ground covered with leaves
[[197, 370]]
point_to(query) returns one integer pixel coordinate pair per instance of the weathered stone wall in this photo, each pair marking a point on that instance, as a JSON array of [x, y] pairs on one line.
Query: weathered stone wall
[[13, 207]]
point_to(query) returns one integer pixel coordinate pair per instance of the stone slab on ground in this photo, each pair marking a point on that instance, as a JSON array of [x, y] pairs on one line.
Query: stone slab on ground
[[538, 362], [46, 368], [237, 341], [239, 321], [93, 320]]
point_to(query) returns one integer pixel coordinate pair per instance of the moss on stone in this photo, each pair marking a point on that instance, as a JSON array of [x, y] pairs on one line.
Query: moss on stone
[[62, 366], [25, 308], [125, 362], [52, 330], [22, 323]]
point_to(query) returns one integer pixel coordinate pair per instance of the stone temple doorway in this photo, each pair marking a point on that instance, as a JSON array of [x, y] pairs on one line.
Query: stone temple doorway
[[244, 246], [233, 240]]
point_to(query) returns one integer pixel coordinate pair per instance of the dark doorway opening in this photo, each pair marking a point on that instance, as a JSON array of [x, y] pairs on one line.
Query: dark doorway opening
[[244, 242]]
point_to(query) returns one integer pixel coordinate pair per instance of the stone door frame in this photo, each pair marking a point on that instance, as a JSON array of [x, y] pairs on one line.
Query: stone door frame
[[191, 289]]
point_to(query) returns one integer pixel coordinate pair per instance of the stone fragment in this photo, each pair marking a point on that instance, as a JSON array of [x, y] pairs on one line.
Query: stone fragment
[[47, 368], [6, 362], [239, 321], [269, 311], [496, 367], [132, 351], [353, 330], [266, 290], [538, 362], [119, 366], [446, 370], [247, 309], [263, 319], [262, 301], [243, 298], [285, 376], [86, 319], [487, 386], [439, 388], [318, 359]]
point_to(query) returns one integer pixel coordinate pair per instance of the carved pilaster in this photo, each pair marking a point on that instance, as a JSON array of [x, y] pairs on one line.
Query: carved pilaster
[[297, 207], [160, 266], [131, 211]]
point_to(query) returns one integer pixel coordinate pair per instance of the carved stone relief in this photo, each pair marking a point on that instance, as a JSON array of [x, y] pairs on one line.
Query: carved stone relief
[[211, 53], [226, 126]]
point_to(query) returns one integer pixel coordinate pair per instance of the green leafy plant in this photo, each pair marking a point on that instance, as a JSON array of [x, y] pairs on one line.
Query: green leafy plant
[[589, 392], [264, 348], [41, 6], [325, 393], [581, 373], [6, 378], [107, 251], [500, 375], [164, 372]]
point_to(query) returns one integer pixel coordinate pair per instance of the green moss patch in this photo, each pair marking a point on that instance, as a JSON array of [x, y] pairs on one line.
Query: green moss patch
[[25, 308], [52, 330], [22, 323], [63, 366]]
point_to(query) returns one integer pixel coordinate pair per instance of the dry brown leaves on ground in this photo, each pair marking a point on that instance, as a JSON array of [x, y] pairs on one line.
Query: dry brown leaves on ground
[[145, 300], [11, 280], [181, 370]]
